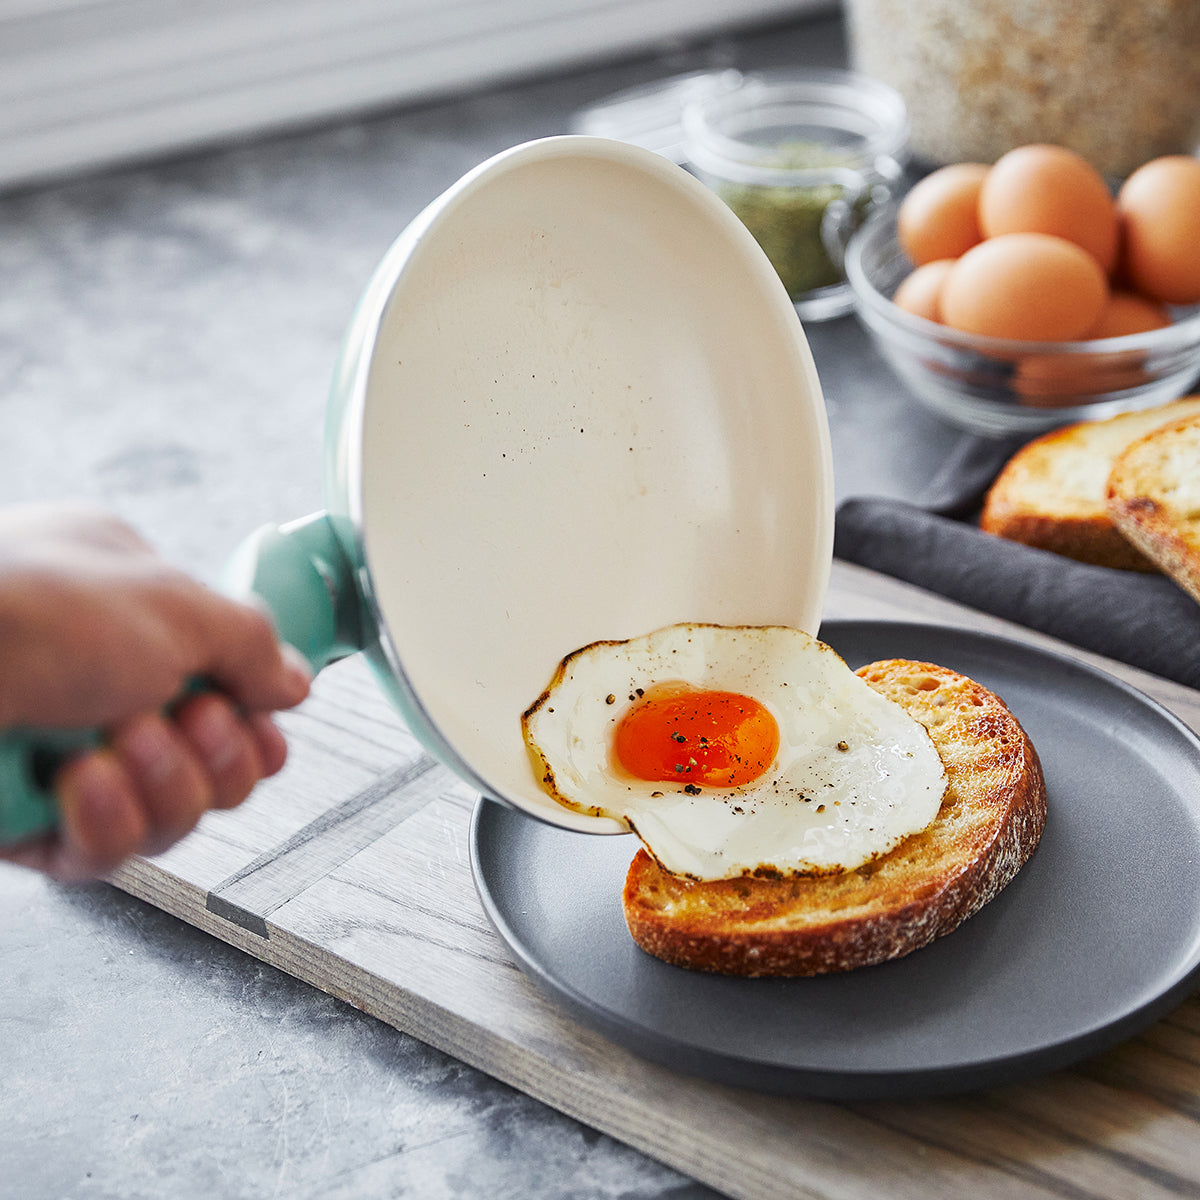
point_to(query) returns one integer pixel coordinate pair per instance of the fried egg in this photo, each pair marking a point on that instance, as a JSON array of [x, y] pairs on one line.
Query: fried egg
[[734, 750]]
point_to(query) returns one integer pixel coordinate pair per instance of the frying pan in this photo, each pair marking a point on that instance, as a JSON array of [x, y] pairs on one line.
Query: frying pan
[[574, 402]]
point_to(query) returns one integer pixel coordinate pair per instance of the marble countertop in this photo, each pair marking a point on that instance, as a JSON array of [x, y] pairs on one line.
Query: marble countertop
[[167, 334]]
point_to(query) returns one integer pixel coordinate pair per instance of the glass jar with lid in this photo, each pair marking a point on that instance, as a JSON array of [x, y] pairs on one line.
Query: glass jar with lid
[[801, 157], [1118, 81]]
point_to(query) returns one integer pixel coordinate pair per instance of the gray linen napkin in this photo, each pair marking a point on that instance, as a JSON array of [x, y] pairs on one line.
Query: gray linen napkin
[[1143, 620]]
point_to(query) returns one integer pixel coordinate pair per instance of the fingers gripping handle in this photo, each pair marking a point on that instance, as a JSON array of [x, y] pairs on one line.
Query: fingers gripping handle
[[302, 576]]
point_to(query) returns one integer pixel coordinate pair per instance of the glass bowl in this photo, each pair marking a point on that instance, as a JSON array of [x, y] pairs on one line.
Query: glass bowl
[[996, 386]]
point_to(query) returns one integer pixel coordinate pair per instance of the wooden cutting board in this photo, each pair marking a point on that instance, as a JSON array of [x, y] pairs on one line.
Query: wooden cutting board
[[350, 870]]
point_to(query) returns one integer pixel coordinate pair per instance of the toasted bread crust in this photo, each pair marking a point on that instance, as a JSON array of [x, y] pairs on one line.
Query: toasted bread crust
[[1051, 493], [1153, 497], [989, 824]]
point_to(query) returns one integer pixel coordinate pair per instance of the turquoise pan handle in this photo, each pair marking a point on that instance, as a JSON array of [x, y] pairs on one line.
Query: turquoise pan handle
[[303, 577], [301, 573]]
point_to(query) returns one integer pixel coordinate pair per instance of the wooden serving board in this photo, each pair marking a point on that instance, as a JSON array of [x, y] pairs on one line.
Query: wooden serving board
[[350, 870]]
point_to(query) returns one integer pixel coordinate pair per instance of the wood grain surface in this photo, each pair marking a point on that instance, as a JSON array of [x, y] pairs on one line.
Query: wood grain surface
[[350, 870]]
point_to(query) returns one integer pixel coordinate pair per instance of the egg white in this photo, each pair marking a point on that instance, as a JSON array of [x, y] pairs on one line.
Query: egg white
[[854, 776]]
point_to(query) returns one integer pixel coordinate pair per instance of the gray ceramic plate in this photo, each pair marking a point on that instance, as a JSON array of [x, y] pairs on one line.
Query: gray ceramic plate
[[1098, 935]]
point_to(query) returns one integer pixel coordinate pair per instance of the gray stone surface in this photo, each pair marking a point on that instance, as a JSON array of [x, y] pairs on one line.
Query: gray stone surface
[[142, 1058], [167, 333]]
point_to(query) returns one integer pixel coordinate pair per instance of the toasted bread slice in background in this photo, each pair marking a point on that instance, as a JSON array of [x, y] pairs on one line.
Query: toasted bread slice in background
[[1153, 497], [991, 819], [1051, 493]]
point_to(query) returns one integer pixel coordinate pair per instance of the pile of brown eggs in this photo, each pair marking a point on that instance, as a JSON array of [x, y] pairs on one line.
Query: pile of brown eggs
[[1036, 248]]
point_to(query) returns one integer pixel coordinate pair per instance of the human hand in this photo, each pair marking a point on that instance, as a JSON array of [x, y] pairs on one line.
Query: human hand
[[97, 631]]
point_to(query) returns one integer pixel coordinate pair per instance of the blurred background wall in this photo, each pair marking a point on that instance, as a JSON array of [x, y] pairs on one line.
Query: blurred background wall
[[86, 83]]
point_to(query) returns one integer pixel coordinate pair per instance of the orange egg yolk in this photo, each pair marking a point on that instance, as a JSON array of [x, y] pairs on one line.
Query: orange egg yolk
[[687, 735]]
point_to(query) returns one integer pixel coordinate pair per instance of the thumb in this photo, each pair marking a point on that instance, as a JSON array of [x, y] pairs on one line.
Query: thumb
[[237, 648]]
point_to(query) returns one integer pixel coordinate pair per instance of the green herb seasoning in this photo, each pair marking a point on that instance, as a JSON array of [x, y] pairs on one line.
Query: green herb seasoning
[[786, 219]]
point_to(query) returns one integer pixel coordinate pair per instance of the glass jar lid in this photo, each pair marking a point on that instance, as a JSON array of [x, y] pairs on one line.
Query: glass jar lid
[[775, 128], [728, 119]]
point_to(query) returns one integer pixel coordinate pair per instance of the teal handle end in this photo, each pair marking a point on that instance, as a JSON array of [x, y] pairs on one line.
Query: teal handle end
[[28, 762]]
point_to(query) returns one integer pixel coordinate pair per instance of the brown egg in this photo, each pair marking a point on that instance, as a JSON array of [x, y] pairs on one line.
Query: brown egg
[[1028, 286], [1050, 189], [1054, 380], [939, 217], [920, 291], [1057, 379], [1159, 207], [1126, 313]]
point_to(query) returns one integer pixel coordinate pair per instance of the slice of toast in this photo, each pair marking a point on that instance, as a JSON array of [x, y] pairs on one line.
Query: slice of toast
[[989, 824], [1050, 494], [1153, 497]]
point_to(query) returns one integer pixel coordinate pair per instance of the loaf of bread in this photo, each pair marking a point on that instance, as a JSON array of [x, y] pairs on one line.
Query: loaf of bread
[[1051, 493], [989, 824], [1153, 498]]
